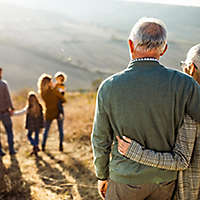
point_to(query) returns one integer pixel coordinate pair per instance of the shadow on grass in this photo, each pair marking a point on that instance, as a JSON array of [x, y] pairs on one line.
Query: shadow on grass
[[3, 180], [52, 178], [85, 179], [16, 186]]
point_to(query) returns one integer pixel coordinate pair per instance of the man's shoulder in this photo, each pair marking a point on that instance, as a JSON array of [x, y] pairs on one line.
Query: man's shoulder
[[3, 83], [178, 75], [108, 82], [176, 72]]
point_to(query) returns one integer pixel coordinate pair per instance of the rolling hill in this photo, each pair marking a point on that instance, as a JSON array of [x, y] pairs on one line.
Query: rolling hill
[[87, 42]]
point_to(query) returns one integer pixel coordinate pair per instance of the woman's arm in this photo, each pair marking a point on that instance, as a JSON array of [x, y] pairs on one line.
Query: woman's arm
[[177, 159], [20, 112], [59, 95]]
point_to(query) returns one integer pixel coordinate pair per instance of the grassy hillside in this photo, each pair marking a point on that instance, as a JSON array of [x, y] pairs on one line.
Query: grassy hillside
[[87, 44], [33, 42], [53, 175]]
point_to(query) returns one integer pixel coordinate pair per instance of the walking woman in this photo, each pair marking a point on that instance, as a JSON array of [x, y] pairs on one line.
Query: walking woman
[[51, 97]]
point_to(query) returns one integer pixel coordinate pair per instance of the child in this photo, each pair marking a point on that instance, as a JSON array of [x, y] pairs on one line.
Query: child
[[60, 78], [34, 120]]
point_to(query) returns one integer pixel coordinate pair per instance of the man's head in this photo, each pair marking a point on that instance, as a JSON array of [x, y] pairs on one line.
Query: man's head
[[192, 63], [148, 38], [0, 73]]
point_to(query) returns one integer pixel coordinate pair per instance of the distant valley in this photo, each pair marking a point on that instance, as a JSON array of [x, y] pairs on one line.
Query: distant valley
[[87, 47]]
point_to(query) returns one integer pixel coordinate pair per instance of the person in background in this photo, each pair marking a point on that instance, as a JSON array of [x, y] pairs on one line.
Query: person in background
[[6, 110], [185, 154], [147, 102], [34, 120], [51, 97], [60, 78], [1, 73]]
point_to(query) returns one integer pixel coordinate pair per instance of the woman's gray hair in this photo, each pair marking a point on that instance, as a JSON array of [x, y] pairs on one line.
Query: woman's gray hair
[[148, 34], [193, 56]]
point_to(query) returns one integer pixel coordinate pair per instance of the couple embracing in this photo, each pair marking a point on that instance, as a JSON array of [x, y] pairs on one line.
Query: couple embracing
[[145, 136]]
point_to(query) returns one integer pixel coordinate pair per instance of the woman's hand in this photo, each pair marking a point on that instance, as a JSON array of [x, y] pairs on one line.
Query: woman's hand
[[123, 145]]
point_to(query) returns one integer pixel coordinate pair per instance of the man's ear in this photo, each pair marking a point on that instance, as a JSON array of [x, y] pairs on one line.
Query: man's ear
[[166, 46], [131, 46], [192, 69]]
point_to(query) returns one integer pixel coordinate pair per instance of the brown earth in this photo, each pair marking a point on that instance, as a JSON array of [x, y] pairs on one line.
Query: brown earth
[[53, 175]]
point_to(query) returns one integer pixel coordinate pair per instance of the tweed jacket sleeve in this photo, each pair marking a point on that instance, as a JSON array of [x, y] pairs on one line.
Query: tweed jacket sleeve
[[180, 156]]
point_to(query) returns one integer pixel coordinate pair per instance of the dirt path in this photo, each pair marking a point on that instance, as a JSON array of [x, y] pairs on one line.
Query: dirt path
[[53, 175]]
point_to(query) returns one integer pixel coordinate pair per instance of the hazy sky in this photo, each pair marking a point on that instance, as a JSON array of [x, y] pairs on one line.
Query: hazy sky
[[172, 2]]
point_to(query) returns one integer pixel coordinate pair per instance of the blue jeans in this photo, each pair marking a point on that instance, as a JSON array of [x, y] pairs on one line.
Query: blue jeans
[[46, 131], [7, 123], [34, 141], [60, 108]]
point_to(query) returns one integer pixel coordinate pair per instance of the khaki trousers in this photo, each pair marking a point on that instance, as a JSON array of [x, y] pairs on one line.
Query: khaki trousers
[[118, 191]]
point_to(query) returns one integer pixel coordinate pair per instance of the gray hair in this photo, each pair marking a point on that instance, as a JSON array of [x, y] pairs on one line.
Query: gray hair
[[149, 33], [193, 56]]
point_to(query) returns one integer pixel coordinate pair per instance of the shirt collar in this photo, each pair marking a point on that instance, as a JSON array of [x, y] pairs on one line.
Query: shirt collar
[[142, 60]]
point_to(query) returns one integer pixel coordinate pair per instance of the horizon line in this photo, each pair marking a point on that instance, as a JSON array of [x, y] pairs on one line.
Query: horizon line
[[191, 3]]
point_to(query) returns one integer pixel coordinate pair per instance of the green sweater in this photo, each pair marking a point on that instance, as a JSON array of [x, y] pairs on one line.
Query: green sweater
[[145, 102]]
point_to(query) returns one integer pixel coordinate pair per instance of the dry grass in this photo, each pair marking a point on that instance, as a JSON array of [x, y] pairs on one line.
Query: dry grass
[[53, 175]]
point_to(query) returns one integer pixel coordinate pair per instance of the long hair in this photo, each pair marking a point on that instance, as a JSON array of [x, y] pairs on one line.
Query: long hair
[[43, 83], [33, 105]]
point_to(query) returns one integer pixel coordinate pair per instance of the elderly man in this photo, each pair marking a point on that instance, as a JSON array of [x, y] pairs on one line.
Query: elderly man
[[146, 102], [186, 153], [6, 109]]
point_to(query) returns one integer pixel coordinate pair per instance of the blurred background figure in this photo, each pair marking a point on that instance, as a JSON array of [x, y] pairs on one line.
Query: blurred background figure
[[6, 109], [51, 97], [34, 120], [60, 78], [0, 73]]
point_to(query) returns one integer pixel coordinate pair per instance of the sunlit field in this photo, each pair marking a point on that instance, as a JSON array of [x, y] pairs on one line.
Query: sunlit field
[[52, 175]]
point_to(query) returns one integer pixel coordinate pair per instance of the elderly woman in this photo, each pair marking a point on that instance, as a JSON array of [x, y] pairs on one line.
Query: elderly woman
[[51, 98]]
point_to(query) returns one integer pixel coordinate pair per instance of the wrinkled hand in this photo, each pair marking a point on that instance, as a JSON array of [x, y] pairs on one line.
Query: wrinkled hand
[[102, 188], [123, 145]]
